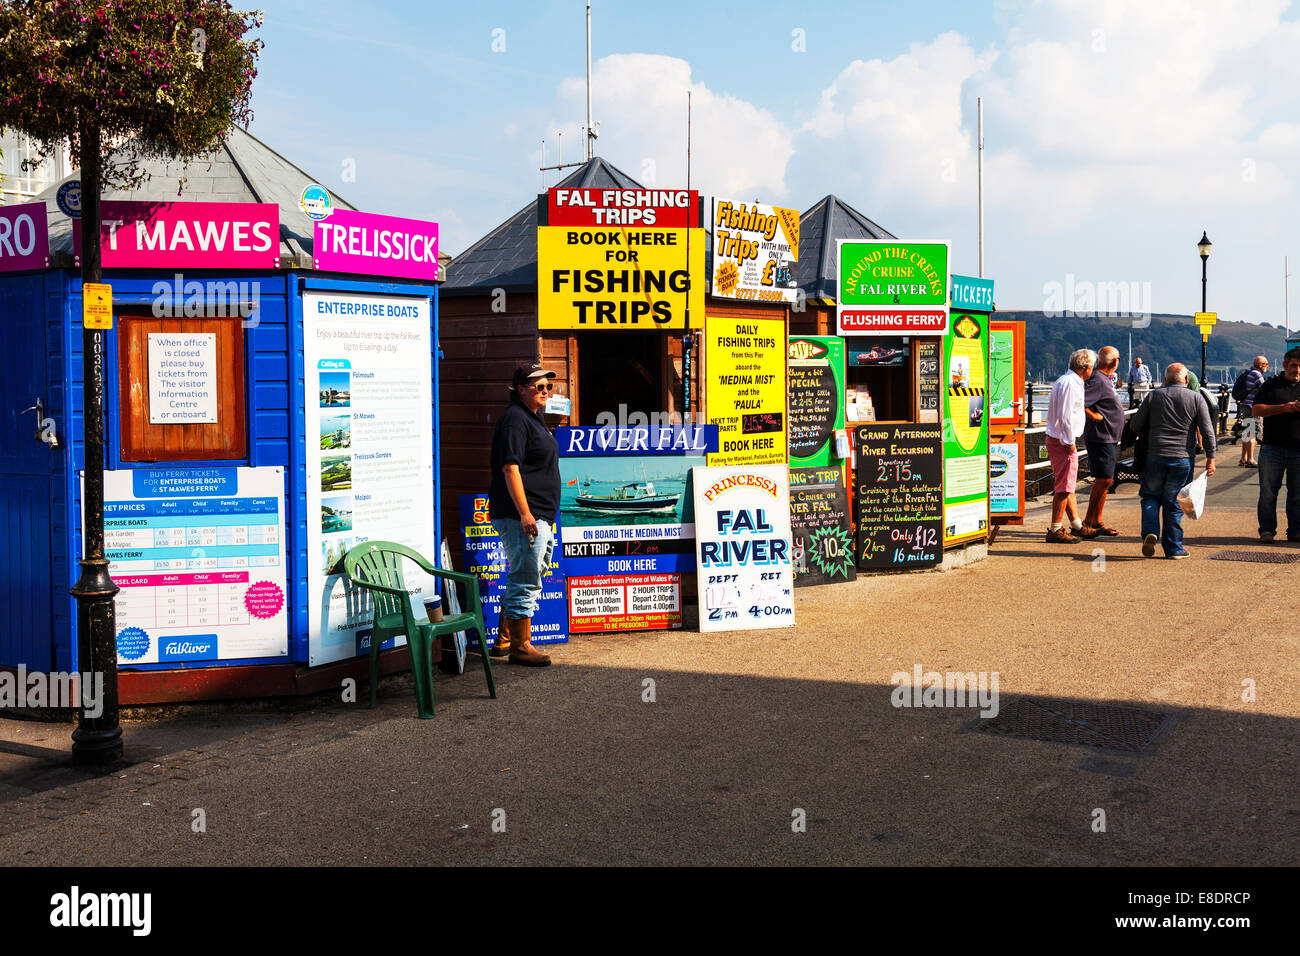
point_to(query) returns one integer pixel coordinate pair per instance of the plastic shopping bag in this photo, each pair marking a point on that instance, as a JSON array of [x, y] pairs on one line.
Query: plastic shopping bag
[[1192, 497]]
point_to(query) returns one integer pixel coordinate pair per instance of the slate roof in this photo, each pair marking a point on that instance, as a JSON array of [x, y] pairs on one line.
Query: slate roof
[[817, 271], [506, 258], [243, 169]]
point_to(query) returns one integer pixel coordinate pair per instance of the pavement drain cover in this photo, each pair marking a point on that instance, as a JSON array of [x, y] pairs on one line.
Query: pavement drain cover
[[1084, 724], [1259, 557]]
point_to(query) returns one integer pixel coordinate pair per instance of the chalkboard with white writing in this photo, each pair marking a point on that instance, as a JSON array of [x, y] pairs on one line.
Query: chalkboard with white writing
[[819, 526], [898, 494]]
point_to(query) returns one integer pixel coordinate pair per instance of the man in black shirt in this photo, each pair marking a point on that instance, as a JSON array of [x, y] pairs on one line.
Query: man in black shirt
[[1101, 432], [523, 499], [1278, 403]]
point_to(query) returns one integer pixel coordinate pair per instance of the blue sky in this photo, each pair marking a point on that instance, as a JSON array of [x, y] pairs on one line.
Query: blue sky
[[1114, 132]]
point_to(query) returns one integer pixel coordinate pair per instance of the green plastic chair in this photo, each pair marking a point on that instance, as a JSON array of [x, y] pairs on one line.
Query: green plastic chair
[[376, 566]]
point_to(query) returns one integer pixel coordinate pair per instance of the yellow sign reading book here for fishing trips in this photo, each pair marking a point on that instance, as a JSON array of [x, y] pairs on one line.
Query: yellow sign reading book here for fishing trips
[[97, 305], [746, 389], [619, 278]]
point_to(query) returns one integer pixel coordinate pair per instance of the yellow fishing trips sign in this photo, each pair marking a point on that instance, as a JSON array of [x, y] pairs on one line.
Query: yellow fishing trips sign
[[620, 259]]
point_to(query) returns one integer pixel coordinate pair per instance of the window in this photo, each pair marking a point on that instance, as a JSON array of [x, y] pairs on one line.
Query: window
[[143, 440]]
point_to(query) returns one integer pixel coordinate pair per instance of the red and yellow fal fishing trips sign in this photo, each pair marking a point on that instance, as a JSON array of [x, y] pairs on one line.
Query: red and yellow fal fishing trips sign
[[618, 259]]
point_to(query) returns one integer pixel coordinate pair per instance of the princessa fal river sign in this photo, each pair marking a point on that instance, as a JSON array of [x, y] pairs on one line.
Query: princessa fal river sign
[[893, 286]]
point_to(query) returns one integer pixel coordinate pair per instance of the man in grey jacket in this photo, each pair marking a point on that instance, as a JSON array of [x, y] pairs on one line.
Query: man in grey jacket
[[1171, 416]]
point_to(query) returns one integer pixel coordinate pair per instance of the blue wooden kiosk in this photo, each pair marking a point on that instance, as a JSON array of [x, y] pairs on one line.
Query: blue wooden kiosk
[[308, 421]]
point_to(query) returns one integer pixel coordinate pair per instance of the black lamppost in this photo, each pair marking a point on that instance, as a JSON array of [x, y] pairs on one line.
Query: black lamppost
[[1203, 247]]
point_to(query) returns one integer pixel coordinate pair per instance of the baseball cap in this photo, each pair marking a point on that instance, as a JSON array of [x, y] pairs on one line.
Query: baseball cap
[[527, 373]]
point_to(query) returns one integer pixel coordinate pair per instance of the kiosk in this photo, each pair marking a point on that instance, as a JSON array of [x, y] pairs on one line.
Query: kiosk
[[270, 390]]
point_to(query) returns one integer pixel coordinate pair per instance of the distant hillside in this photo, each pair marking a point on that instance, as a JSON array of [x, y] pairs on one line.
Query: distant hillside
[[1169, 338]]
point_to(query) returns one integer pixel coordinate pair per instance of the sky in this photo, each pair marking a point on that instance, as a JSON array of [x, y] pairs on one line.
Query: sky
[[1114, 132]]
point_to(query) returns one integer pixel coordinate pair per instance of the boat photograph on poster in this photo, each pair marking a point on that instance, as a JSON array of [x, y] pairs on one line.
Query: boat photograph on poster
[[617, 491]]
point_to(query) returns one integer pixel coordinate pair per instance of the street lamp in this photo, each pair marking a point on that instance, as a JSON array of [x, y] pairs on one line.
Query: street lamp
[[1203, 247]]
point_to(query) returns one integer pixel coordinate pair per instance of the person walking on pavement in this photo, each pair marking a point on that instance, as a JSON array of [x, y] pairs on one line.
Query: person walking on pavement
[[1251, 380], [1278, 401], [1065, 421], [523, 499], [1172, 417], [1101, 434]]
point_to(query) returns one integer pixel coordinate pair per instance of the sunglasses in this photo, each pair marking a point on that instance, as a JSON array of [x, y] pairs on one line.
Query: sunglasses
[[544, 386]]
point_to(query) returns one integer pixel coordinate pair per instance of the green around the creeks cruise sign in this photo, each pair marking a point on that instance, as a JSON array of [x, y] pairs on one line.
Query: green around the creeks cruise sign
[[892, 287], [892, 272]]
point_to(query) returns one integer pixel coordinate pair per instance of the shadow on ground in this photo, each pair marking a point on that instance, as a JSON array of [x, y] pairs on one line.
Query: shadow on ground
[[715, 769]]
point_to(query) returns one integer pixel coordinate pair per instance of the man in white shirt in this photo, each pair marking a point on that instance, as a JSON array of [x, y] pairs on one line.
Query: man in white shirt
[[1065, 421]]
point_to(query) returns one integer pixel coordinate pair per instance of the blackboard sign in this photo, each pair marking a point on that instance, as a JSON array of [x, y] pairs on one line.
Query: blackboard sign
[[814, 406], [927, 373], [899, 495], [819, 526]]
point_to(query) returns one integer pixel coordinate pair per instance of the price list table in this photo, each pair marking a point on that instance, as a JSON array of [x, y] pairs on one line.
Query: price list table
[[198, 555], [182, 600]]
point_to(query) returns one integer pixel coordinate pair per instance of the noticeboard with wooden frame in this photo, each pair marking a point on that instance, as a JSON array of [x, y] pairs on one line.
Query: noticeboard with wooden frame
[[226, 439]]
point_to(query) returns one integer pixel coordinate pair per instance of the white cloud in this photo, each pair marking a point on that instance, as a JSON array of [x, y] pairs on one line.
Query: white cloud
[[902, 120], [639, 102]]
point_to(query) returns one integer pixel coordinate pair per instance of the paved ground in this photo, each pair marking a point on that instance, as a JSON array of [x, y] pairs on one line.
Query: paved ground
[[748, 728]]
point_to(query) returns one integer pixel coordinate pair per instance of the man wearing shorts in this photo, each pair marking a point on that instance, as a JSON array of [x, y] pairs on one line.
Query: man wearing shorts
[[1064, 423], [1101, 434]]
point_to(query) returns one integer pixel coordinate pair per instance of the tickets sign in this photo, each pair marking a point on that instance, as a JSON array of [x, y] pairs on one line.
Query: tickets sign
[[893, 286], [755, 249], [620, 259]]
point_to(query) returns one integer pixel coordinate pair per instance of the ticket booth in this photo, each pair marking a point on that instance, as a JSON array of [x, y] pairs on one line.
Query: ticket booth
[[269, 402]]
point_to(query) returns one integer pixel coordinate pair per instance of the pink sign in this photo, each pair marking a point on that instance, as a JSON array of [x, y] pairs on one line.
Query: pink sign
[[264, 599], [24, 237], [369, 244], [187, 235]]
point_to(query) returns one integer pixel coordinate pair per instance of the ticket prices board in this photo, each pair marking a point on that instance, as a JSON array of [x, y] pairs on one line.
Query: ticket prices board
[[816, 398], [628, 522], [620, 260], [745, 395], [743, 549], [898, 494], [820, 532], [199, 556], [485, 558], [755, 250], [892, 286], [965, 429], [369, 455]]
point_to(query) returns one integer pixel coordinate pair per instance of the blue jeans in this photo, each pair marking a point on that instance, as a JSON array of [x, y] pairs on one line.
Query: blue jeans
[[530, 559], [1274, 461], [1161, 482]]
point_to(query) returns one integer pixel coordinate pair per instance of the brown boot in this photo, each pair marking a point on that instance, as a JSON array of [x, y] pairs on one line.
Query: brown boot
[[521, 644], [501, 647]]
